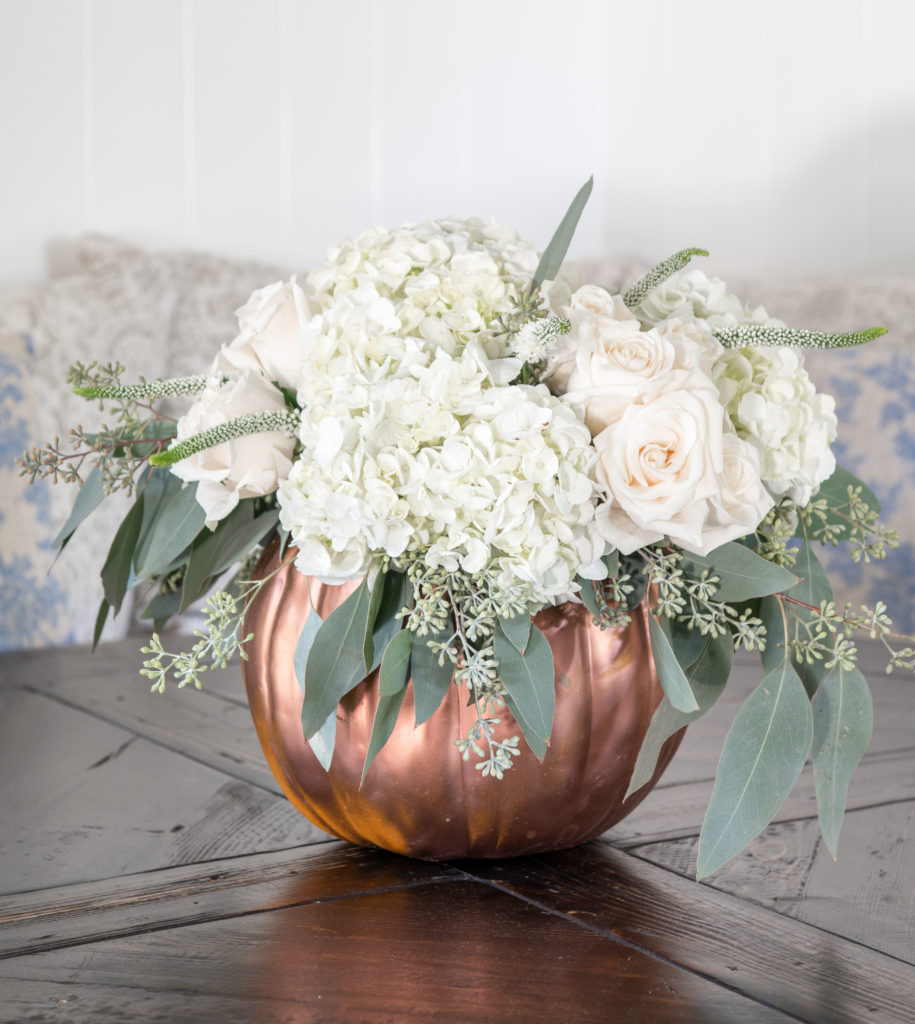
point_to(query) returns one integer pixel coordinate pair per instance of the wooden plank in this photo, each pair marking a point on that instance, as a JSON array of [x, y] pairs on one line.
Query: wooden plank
[[457, 951], [867, 894], [81, 799], [675, 812], [55, 918], [201, 725], [805, 972]]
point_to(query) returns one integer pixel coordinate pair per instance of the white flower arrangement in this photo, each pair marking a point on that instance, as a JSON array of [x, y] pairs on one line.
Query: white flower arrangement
[[439, 412]]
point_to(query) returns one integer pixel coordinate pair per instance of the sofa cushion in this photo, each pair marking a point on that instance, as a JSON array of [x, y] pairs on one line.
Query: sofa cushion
[[112, 314]]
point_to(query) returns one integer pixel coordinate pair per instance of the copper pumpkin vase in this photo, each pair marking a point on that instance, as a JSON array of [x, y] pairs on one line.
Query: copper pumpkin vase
[[419, 797]]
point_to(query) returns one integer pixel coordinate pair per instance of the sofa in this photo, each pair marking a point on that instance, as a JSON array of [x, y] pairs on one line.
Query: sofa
[[167, 312]]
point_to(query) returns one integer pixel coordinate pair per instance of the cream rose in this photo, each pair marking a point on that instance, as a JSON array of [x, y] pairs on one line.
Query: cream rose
[[246, 467], [662, 464], [579, 308], [270, 324], [615, 363], [743, 501]]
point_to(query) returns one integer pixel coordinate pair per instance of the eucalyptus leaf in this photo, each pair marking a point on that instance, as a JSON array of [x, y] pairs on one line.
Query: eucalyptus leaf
[[180, 520], [382, 726], [843, 720], [588, 599], [88, 498], [336, 662], [688, 644], [377, 591], [395, 664], [763, 755], [162, 607], [555, 252], [323, 742], [742, 573], [530, 681], [116, 572], [517, 631], [304, 644], [100, 619], [388, 618], [707, 677], [214, 551], [159, 487], [430, 679], [672, 677]]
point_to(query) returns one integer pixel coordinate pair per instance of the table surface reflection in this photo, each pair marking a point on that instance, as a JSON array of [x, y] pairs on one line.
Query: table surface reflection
[[150, 870]]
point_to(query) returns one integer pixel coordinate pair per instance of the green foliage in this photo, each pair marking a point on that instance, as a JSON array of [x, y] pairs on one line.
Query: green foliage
[[843, 719], [741, 574], [240, 426], [215, 551], [672, 677], [757, 334], [706, 676], [432, 673], [796, 624], [763, 755], [646, 284], [336, 662], [389, 614], [555, 252], [392, 688], [530, 684], [178, 521], [100, 620], [304, 644], [117, 568], [218, 641], [90, 495], [517, 630], [322, 742]]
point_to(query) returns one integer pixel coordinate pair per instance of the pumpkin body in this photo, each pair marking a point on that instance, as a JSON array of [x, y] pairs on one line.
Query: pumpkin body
[[419, 797]]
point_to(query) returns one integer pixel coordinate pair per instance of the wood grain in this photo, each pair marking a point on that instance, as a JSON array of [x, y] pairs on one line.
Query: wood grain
[[459, 951], [81, 799], [788, 869], [810, 974], [149, 901], [152, 874]]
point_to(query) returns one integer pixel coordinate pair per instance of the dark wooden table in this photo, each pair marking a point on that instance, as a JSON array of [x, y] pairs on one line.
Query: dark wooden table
[[151, 871]]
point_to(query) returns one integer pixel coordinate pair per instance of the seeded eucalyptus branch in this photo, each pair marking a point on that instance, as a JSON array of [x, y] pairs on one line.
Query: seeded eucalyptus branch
[[119, 450]]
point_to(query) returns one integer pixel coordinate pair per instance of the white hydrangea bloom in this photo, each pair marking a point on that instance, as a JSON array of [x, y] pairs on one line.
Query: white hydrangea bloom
[[773, 404], [413, 447], [445, 466]]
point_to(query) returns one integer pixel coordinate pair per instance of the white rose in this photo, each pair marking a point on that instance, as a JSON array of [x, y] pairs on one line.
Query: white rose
[[661, 463], [743, 501], [270, 324], [696, 346], [616, 362], [579, 307], [246, 467]]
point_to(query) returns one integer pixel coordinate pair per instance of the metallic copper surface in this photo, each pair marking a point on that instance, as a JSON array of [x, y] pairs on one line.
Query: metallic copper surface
[[419, 798]]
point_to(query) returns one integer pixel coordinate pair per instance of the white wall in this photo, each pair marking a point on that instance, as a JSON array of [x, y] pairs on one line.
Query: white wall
[[780, 134]]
